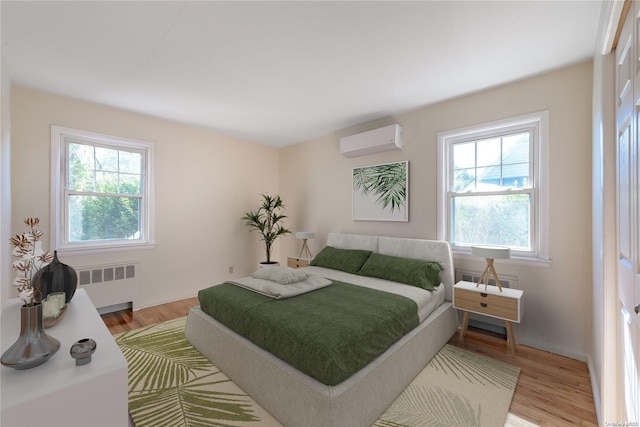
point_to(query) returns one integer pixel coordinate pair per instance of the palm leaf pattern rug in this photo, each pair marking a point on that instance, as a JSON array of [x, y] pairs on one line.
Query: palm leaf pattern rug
[[171, 384]]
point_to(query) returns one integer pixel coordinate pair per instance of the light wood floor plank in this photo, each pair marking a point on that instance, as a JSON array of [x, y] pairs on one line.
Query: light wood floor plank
[[127, 320], [552, 391]]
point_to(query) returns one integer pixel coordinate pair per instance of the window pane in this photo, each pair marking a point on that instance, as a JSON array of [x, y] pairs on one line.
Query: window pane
[[492, 220], [104, 170], [464, 155], [500, 163], [515, 148], [106, 182], [104, 218], [80, 167], [130, 162], [489, 179], [516, 176], [464, 180], [489, 152], [106, 159], [130, 184]]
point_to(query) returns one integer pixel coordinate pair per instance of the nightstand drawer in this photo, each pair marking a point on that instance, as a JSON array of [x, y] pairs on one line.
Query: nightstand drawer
[[484, 303], [297, 262]]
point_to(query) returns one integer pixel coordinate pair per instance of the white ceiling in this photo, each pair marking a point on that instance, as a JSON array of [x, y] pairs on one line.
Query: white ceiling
[[284, 72]]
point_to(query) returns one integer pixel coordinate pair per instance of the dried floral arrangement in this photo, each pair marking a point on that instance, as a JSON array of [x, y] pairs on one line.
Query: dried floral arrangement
[[28, 262]]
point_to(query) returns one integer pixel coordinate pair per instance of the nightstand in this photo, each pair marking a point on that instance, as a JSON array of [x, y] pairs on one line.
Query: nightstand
[[297, 262], [505, 305]]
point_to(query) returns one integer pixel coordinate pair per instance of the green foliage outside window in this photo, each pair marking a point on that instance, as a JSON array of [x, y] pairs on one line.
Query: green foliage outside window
[[106, 185], [492, 220]]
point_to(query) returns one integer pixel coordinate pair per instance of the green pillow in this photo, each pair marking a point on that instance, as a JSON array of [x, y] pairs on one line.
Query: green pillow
[[415, 272], [349, 260]]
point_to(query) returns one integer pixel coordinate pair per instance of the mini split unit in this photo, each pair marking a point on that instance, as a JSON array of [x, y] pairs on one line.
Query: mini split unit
[[373, 141]]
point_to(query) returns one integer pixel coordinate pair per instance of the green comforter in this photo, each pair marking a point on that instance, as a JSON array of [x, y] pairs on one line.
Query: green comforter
[[329, 334]]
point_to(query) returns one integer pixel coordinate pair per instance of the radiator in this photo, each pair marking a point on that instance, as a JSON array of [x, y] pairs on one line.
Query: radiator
[[111, 287], [478, 320]]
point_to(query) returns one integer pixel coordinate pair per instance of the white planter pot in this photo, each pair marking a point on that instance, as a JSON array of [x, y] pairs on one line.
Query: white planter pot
[[271, 264]]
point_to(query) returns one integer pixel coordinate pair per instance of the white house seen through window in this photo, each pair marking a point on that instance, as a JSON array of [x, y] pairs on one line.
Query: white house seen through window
[[492, 188]]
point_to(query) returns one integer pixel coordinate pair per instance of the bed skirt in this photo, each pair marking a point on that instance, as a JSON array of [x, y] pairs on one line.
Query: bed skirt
[[297, 400]]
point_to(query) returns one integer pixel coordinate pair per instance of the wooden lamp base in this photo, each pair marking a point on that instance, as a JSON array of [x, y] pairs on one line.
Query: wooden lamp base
[[486, 275], [305, 250], [490, 253]]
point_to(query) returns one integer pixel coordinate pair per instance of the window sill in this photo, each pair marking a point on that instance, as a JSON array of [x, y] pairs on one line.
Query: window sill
[[531, 262], [104, 249]]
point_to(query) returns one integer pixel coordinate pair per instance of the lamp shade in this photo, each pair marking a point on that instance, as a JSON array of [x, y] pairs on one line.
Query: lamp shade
[[305, 235], [491, 252]]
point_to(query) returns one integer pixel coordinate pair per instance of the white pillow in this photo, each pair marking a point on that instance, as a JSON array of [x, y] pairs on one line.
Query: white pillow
[[278, 274]]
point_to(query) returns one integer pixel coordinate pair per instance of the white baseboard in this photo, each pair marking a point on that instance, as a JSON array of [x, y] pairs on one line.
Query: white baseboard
[[115, 307], [153, 303], [595, 389], [553, 349]]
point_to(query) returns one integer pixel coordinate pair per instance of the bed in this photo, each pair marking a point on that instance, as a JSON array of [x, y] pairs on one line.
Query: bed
[[295, 398]]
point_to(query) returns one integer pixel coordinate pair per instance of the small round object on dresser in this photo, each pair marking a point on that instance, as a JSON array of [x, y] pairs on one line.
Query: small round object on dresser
[[82, 351]]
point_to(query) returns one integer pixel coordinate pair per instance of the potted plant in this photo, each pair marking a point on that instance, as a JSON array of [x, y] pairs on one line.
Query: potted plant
[[266, 220]]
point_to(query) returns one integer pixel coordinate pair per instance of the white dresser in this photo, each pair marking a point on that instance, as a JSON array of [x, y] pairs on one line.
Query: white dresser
[[59, 393]]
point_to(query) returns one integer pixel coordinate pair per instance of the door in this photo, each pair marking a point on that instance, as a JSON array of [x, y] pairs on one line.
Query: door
[[628, 214]]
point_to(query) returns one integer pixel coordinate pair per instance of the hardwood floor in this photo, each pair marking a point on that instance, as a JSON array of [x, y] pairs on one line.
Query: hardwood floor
[[127, 320], [552, 391]]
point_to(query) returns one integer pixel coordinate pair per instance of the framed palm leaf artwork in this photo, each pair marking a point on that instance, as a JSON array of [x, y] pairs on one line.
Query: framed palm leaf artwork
[[381, 192]]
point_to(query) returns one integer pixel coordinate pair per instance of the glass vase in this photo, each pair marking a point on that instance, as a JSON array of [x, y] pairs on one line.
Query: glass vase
[[34, 346]]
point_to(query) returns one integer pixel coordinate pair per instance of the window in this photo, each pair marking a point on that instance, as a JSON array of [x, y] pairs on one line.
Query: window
[[493, 187], [102, 194]]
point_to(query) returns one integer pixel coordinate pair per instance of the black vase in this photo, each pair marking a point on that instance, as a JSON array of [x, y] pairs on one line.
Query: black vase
[[56, 277]]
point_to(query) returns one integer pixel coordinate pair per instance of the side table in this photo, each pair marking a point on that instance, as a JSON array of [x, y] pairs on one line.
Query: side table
[[506, 305], [297, 262]]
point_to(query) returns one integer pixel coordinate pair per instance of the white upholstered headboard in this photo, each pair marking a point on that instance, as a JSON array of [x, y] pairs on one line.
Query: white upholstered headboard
[[353, 241], [430, 250]]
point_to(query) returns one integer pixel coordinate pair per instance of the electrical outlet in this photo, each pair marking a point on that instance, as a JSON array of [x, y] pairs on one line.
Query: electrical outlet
[[231, 269]]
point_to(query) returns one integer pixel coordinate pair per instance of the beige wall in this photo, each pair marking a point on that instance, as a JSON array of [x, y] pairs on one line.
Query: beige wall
[[316, 183], [5, 181], [204, 184]]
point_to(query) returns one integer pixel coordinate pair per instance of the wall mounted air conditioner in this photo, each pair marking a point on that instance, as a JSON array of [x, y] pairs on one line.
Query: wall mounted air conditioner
[[373, 141]]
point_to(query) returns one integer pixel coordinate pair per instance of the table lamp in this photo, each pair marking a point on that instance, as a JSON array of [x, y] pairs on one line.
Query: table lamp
[[490, 253], [304, 236]]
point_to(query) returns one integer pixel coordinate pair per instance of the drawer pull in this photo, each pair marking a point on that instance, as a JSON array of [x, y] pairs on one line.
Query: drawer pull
[[483, 295], [482, 304]]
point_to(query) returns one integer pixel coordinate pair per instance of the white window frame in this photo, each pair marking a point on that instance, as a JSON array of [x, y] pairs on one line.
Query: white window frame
[[60, 136], [539, 166]]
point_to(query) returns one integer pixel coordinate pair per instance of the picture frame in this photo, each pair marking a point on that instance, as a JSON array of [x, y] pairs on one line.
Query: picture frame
[[381, 192]]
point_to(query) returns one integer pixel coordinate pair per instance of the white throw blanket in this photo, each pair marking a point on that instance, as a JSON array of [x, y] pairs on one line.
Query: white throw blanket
[[279, 291]]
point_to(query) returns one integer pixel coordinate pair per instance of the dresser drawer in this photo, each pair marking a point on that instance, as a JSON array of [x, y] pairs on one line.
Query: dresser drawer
[[297, 262], [484, 303]]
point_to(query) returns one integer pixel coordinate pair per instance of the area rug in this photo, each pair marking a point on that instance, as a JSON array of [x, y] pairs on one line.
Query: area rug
[[171, 384]]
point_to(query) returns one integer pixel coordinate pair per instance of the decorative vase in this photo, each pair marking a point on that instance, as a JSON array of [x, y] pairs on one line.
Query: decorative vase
[[34, 346], [56, 277], [265, 264], [83, 350]]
